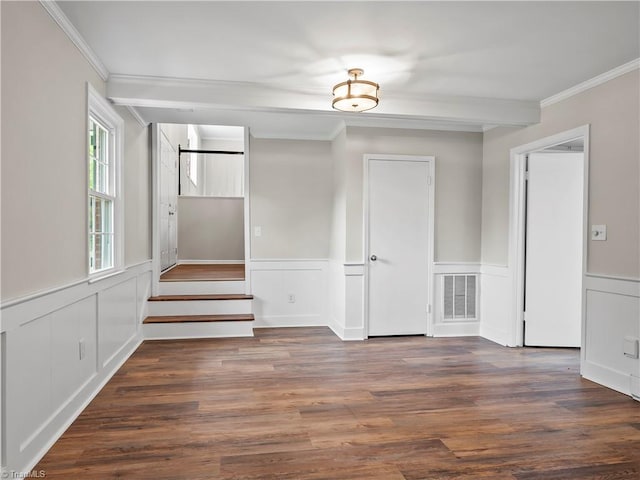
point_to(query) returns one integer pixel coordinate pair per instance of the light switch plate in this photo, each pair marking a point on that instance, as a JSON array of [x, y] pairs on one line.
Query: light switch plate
[[599, 232], [257, 231]]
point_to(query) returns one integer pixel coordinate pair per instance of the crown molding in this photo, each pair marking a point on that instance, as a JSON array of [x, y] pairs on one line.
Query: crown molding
[[135, 114], [594, 82], [67, 27]]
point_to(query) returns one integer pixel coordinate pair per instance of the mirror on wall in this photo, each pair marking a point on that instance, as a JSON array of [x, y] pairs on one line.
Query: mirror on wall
[[212, 162]]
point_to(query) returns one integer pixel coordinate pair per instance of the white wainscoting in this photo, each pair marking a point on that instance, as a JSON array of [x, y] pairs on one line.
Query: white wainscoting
[[58, 349], [495, 301], [274, 281], [347, 315], [355, 327], [454, 327], [612, 313]]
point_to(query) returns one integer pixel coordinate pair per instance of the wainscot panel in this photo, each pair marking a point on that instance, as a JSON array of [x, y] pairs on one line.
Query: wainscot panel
[[290, 293], [612, 316], [59, 348]]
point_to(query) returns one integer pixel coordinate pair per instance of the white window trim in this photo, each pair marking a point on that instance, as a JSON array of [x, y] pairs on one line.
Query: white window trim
[[99, 108]]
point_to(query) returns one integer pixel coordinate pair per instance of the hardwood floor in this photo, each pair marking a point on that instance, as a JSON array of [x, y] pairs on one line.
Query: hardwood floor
[[203, 272], [301, 404]]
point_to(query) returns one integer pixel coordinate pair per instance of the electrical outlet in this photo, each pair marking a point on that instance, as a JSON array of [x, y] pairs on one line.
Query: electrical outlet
[[292, 298], [631, 347], [81, 348], [257, 231]]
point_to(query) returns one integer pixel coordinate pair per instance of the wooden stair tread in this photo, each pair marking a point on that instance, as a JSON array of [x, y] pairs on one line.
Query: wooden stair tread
[[217, 296], [244, 317]]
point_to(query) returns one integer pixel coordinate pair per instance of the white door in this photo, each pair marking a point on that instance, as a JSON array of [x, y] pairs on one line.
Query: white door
[[554, 249], [398, 241], [168, 203]]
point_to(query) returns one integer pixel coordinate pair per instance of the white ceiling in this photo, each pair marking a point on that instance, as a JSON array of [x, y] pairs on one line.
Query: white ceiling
[[271, 65]]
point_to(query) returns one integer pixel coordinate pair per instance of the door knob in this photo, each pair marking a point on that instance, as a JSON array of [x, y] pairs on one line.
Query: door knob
[[373, 258]]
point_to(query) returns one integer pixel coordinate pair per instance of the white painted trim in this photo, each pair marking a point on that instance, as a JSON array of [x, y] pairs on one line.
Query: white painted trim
[[346, 334], [136, 115], [593, 82], [67, 27], [354, 269], [308, 320], [494, 270], [457, 329], [430, 160], [247, 209], [207, 262], [289, 264], [517, 215], [606, 376], [620, 286], [155, 207], [98, 107], [615, 288], [18, 311], [441, 268]]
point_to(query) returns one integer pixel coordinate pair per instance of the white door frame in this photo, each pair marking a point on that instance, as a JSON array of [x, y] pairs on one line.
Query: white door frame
[[517, 219], [430, 160], [155, 209], [247, 214]]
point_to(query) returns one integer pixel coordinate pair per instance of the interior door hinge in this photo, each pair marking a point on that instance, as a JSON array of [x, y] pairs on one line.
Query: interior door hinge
[[526, 176], [429, 308], [524, 316], [429, 180]]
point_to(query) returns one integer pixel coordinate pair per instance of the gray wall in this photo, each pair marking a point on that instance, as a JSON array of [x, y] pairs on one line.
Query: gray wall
[[210, 228], [291, 198], [612, 110], [44, 160], [458, 186]]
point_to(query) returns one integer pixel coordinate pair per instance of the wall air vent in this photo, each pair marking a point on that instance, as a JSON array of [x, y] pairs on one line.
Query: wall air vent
[[459, 296]]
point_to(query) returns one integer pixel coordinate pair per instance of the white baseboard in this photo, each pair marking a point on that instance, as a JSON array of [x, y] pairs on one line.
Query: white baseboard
[[495, 335], [290, 321], [456, 329], [610, 378], [346, 334]]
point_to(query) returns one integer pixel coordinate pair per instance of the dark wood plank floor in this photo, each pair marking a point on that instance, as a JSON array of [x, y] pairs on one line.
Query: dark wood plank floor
[[300, 404], [203, 272]]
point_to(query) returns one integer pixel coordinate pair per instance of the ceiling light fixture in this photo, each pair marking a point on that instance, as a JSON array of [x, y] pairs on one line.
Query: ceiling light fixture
[[355, 95]]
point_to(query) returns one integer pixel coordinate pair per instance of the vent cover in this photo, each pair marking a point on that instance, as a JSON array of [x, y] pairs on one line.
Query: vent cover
[[459, 296]]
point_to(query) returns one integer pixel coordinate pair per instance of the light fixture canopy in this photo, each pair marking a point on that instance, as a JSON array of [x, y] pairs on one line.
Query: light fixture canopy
[[355, 95]]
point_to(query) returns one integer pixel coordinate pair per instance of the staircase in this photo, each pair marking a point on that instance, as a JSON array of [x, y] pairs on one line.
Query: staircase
[[200, 301]]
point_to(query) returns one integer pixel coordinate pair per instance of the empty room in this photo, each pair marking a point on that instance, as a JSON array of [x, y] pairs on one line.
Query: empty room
[[320, 240]]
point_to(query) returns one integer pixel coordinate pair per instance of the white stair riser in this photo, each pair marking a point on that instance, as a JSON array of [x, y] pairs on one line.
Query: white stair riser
[[165, 331], [198, 307], [201, 288]]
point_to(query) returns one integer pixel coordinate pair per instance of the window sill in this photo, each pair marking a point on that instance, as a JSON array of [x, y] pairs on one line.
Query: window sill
[[99, 276]]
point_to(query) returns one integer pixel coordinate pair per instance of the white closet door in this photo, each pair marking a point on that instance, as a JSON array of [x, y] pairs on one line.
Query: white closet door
[[398, 246]]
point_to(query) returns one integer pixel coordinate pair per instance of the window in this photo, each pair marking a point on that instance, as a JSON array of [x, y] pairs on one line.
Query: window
[[104, 195]]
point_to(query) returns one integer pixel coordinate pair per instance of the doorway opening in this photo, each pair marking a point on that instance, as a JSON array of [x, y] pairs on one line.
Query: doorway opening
[[548, 239], [200, 207]]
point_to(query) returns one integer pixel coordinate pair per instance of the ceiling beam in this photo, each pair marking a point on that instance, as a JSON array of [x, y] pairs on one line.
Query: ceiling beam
[[189, 94]]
